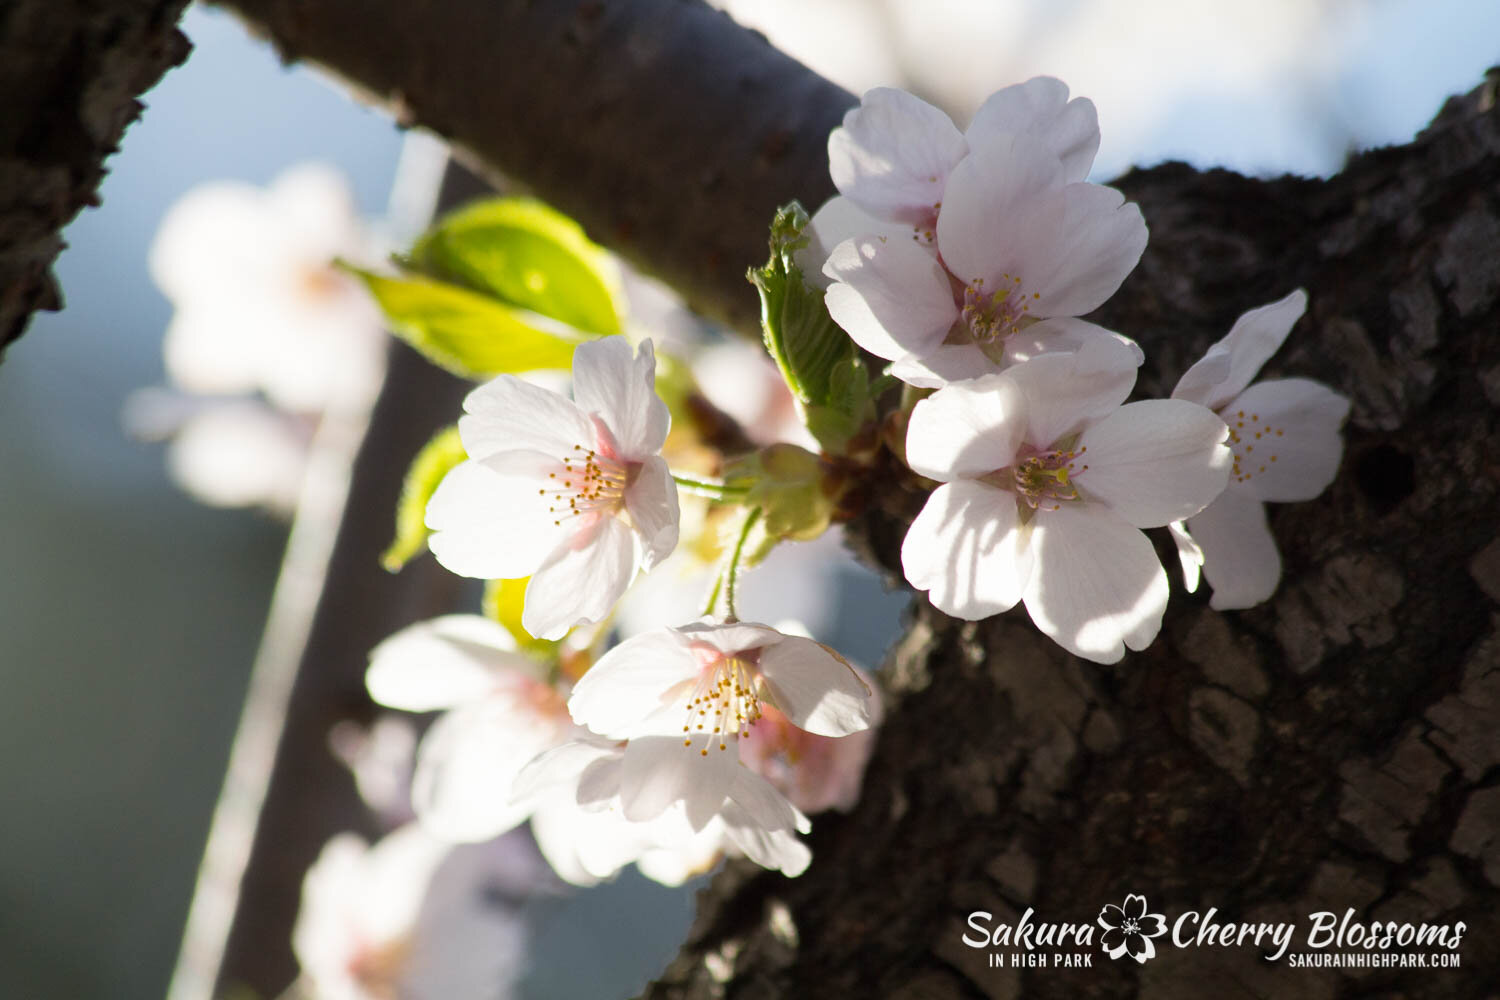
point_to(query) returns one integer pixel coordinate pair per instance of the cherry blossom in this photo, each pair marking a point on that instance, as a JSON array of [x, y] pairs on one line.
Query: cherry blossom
[[1022, 253], [683, 697], [582, 827], [571, 493], [1047, 481], [1285, 435], [411, 916], [259, 304], [893, 155], [815, 773], [499, 712]]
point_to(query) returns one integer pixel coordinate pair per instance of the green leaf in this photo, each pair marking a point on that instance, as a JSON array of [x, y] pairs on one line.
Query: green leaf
[[469, 334], [503, 602], [850, 406], [432, 463], [526, 254], [800, 335]]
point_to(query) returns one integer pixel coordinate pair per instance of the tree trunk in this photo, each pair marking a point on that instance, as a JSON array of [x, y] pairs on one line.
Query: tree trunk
[[70, 73]]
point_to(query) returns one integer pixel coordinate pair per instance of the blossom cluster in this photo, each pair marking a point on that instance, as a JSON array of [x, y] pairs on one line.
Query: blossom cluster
[[667, 749], [966, 259]]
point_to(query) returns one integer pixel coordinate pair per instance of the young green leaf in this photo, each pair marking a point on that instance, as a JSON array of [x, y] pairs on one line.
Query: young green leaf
[[432, 463], [850, 406], [526, 254], [800, 335], [467, 333]]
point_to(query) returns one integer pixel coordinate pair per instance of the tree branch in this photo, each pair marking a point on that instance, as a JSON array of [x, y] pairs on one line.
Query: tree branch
[[668, 131], [70, 73]]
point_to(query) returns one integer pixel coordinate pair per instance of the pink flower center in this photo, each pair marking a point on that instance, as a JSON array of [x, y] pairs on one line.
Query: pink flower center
[[725, 701], [1044, 481], [992, 314], [592, 481], [1254, 444]]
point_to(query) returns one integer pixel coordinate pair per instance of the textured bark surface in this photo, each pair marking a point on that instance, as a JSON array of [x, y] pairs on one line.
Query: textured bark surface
[[1336, 747], [70, 73], [668, 132]]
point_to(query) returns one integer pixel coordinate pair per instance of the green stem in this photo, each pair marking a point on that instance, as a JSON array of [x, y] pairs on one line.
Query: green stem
[[713, 489], [713, 595], [732, 572]]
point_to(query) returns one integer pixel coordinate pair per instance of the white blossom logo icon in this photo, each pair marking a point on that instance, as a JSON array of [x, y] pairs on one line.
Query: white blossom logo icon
[[1129, 928]]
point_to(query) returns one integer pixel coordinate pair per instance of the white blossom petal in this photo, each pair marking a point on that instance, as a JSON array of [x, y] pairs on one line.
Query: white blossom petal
[[621, 390], [209, 352], [1101, 241], [581, 581], [838, 220], [659, 771], [1199, 384], [967, 430], [777, 850], [1061, 335], [1189, 554], [488, 521], [507, 414], [1255, 336], [1039, 109], [815, 687], [967, 549], [673, 865], [632, 681], [444, 662], [651, 500], [208, 235], [556, 830], [1097, 586], [239, 454], [733, 637], [467, 762], [1156, 461], [1064, 392], [1287, 445], [893, 153], [891, 296], [945, 365], [763, 805], [561, 766], [1002, 214], [1240, 560], [356, 898]]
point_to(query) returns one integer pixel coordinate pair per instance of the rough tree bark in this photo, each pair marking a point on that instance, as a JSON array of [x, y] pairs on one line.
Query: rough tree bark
[[1334, 748], [70, 73]]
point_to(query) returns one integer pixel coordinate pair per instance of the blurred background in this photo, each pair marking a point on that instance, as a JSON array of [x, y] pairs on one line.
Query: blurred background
[[129, 613]]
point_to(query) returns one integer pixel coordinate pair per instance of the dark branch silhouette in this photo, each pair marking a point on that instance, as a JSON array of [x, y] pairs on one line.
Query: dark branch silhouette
[[70, 75]]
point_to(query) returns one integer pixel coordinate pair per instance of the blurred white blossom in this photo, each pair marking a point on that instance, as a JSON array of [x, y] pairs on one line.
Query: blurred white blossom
[[258, 303]]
